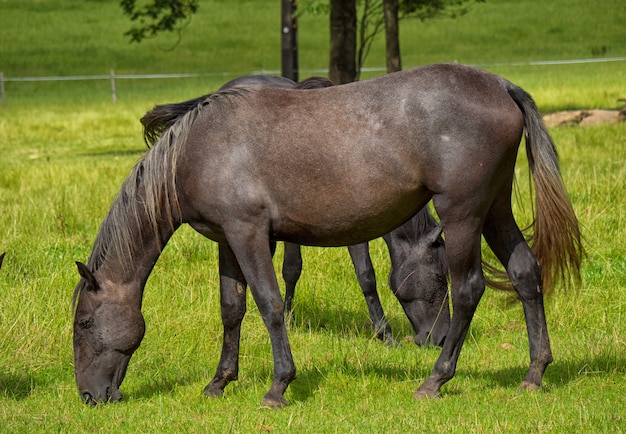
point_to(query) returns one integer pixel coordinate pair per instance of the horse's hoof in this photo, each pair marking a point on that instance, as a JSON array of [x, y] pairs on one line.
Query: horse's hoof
[[274, 402], [527, 385], [426, 394], [391, 341], [213, 392]]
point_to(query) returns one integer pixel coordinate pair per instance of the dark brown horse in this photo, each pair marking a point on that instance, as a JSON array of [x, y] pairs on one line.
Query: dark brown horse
[[418, 275], [330, 167]]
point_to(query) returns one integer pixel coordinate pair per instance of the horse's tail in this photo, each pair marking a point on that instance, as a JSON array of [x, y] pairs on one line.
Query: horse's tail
[[161, 117], [556, 241]]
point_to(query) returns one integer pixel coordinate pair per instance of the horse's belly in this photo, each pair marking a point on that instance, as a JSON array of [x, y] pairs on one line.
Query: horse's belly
[[345, 220]]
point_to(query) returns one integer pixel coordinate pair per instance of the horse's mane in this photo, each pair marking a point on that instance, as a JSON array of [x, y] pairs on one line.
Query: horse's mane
[[314, 83], [417, 226], [161, 117], [164, 116], [420, 224], [149, 193]]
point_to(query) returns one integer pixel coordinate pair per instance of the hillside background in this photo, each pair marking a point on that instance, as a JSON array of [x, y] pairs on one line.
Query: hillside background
[[230, 38]]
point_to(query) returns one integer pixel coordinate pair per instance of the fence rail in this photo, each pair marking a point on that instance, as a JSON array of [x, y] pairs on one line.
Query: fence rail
[[112, 76]]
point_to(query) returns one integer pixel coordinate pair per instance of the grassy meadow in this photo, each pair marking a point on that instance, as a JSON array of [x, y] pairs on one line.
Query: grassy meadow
[[65, 149]]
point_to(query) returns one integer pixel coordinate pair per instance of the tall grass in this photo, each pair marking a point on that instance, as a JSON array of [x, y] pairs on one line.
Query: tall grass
[[65, 150], [53, 199]]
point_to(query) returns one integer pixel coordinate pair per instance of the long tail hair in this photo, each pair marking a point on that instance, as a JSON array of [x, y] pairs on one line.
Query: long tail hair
[[556, 240]]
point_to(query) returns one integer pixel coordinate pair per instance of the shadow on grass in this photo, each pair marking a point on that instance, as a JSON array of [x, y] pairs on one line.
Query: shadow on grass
[[113, 153], [565, 371], [18, 385], [343, 320], [165, 385], [311, 379], [559, 373]]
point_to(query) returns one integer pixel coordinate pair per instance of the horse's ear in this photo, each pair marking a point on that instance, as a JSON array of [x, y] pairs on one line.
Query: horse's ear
[[1, 258], [433, 236], [86, 274]]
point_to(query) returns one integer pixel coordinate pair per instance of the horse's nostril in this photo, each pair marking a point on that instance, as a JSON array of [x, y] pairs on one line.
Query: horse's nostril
[[424, 341], [88, 399], [420, 340], [115, 396]]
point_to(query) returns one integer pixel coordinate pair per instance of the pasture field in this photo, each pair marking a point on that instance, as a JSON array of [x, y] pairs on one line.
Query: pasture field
[[65, 150], [58, 175]]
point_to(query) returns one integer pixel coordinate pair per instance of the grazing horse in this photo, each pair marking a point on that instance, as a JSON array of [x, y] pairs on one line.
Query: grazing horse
[[418, 276], [330, 167]]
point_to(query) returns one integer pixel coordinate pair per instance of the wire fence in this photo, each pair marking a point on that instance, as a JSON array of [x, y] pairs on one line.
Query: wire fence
[[113, 77]]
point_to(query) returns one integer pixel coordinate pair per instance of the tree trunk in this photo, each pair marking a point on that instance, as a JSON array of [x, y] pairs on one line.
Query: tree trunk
[[289, 40], [342, 68], [392, 38]]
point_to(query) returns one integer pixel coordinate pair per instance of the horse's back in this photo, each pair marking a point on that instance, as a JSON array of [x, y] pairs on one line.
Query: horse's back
[[372, 151]]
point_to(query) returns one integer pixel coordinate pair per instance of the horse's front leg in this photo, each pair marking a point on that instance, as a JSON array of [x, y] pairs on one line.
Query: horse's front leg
[[233, 308], [468, 285], [292, 268], [251, 247], [365, 274]]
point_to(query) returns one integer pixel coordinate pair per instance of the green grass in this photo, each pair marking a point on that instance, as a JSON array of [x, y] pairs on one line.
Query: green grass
[[65, 150]]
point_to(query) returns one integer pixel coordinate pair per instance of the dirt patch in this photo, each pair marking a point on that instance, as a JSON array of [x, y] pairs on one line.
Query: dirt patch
[[584, 117]]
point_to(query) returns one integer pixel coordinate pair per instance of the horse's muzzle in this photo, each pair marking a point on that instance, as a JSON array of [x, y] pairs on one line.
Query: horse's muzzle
[[101, 397]]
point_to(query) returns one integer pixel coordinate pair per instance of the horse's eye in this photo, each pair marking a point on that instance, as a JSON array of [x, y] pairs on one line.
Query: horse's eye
[[86, 323]]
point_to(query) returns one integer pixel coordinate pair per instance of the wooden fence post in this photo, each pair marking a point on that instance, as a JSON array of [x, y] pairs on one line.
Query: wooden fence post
[[2, 89], [113, 91], [289, 40]]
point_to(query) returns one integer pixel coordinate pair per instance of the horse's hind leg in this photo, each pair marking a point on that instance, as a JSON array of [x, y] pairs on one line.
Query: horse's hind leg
[[364, 269], [233, 308], [468, 285], [508, 244]]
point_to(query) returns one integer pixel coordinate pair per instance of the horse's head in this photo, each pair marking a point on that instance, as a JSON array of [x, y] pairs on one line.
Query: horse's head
[[108, 328], [421, 285]]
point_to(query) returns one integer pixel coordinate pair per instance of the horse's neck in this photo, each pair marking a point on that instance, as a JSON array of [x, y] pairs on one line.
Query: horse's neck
[[133, 267], [129, 245]]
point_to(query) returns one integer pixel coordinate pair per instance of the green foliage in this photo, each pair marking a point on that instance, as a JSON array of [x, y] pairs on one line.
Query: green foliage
[[65, 150], [158, 16]]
